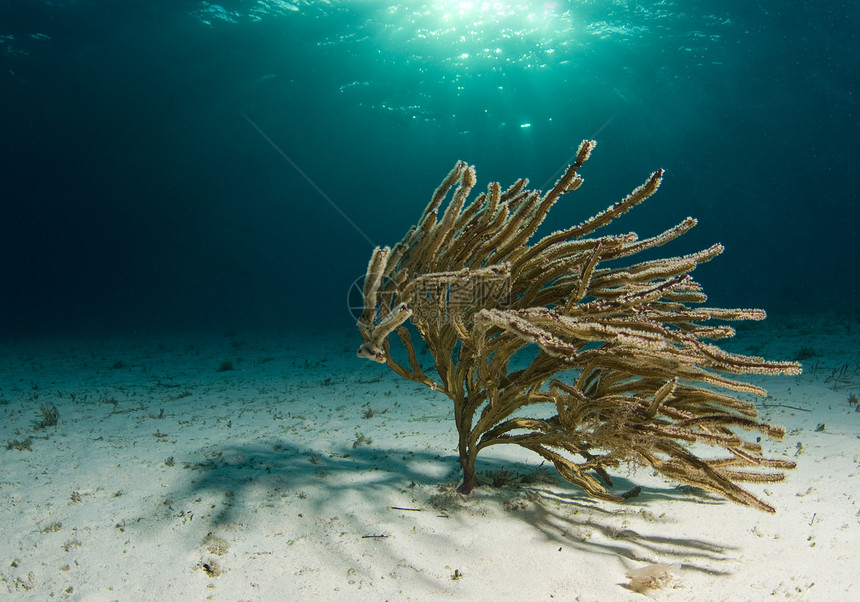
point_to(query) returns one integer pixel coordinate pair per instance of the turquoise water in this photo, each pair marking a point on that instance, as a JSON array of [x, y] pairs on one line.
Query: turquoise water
[[211, 165]]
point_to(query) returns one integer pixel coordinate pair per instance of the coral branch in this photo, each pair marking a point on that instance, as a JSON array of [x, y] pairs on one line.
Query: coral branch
[[640, 384]]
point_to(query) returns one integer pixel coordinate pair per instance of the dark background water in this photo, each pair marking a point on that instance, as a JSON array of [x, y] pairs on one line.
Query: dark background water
[[138, 191]]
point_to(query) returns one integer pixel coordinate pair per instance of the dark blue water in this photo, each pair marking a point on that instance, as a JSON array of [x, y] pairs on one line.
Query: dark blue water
[[141, 186]]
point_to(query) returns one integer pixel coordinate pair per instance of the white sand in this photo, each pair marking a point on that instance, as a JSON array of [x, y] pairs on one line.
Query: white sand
[[159, 450]]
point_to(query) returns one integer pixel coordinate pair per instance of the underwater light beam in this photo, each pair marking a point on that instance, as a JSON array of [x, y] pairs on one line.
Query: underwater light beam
[[308, 179]]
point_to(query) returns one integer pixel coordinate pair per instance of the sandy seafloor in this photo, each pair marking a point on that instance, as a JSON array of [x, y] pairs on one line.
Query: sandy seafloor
[[304, 473]]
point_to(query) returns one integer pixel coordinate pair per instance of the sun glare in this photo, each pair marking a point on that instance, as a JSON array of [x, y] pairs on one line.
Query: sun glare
[[478, 12], [490, 34]]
